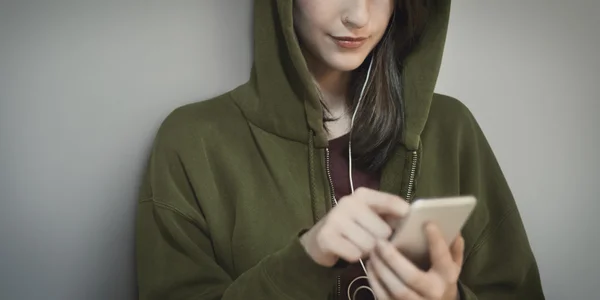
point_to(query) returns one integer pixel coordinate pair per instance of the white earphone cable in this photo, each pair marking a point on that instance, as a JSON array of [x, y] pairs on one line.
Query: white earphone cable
[[362, 91]]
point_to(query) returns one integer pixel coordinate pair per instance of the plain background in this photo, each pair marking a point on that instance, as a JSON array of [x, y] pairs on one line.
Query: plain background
[[84, 86]]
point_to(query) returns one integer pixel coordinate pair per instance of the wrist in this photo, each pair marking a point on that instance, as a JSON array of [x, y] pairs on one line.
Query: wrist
[[308, 241]]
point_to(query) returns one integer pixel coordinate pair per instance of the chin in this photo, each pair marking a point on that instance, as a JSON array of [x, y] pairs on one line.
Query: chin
[[346, 61]]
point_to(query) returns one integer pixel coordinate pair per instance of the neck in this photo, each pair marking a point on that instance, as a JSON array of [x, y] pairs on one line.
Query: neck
[[333, 85]]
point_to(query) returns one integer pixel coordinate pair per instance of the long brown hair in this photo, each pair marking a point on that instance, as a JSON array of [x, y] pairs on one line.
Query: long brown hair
[[379, 123]]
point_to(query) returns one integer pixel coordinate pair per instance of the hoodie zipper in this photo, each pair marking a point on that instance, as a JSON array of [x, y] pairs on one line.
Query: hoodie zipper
[[338, 286], [411, 179], [409, 192]]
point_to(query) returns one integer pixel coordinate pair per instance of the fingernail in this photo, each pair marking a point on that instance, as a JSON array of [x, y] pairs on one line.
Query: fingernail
[[404, 210], [429, 227]]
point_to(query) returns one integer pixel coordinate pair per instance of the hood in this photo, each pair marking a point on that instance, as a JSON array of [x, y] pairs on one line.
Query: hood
[[281, 98]]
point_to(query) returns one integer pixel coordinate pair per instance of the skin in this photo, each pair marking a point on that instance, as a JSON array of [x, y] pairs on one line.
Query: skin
[[359, 227], [317, 23]]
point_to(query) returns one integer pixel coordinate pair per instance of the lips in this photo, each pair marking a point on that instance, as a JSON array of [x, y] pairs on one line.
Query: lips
[[349, 42]]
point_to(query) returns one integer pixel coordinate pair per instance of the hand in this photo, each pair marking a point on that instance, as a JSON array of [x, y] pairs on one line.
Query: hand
[[351, 229], [393, 276]]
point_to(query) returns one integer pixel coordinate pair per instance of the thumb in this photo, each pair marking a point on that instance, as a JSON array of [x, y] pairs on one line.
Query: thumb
[[457, 250]]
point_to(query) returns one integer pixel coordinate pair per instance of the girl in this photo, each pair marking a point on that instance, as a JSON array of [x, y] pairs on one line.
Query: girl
[[285, 187]]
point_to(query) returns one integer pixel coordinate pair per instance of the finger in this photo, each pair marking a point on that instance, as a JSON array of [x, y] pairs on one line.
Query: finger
[[391, 283], [344, 249], [358, 235], [373, 223], [404, 269], [457, 250], [392, 221], [378, 289], [383, 203], [439, 252]]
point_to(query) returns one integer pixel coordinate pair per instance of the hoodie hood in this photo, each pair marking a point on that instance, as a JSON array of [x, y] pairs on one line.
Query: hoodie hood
[[281, 98]]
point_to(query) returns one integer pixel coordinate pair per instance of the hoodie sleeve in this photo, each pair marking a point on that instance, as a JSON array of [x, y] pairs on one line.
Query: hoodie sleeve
[[499, 262], [175, 261], [175, 255]]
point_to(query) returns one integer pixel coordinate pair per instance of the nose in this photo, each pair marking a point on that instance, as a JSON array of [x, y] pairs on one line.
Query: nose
[[356, 14]]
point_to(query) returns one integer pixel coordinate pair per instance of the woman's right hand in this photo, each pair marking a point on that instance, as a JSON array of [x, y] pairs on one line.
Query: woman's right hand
[[351, 229]]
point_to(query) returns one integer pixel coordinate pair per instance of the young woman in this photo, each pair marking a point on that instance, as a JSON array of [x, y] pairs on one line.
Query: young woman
[[252, 195]]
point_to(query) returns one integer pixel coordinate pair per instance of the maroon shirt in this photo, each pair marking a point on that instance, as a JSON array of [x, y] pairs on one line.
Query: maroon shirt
[[338, 163]]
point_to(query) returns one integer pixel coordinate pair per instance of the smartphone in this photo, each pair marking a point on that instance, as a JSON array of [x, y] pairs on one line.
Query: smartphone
[[450, 214]]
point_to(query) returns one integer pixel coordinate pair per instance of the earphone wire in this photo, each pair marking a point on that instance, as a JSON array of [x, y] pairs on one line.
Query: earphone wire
[[362, 91]]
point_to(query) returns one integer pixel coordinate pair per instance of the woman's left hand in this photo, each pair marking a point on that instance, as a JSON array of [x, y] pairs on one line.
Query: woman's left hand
[[393, 276]]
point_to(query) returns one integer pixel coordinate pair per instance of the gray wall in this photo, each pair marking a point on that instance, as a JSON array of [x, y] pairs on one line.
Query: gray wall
[[84, 85], [530, 73]]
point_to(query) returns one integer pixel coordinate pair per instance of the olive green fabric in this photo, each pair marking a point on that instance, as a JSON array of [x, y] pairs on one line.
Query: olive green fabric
[[233, 180]]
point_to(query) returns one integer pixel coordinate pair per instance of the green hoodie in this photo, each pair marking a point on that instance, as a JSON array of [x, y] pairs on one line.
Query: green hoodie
[[232, 181]]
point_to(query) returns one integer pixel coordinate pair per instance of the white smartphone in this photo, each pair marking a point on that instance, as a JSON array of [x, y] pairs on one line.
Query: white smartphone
[[450, 214]]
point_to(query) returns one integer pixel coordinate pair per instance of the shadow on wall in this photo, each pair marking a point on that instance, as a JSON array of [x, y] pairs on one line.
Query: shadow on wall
[[83, 88]]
